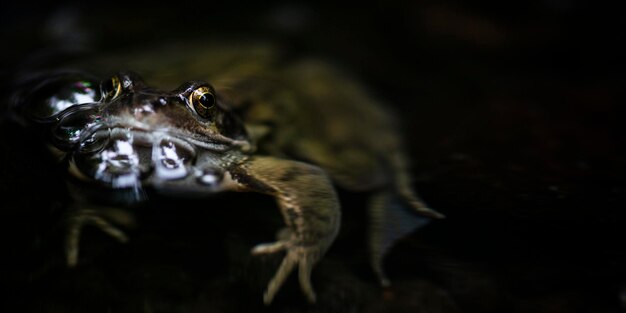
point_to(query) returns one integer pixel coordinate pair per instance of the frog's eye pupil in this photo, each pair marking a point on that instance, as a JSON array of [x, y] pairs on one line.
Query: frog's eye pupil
[[207, 100]]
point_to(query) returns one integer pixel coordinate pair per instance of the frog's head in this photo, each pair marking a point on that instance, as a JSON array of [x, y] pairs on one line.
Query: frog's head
[[119, 131]]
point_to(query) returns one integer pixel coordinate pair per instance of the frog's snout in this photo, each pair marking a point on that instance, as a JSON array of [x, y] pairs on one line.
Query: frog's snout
[[143, 106]]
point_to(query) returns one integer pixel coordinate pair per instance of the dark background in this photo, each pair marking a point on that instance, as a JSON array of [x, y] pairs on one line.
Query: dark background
[[512, 113]]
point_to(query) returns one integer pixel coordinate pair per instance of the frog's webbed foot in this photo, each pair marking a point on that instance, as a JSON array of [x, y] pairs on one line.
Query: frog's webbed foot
[[304, 257], [98, 218], [392, 217], [309, 206]]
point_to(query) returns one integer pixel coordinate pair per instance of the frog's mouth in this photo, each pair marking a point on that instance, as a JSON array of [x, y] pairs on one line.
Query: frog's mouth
[[126, 157]]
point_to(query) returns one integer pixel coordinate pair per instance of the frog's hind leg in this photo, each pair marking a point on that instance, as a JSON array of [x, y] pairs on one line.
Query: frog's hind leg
[[102, 219], [391, 219], [395, 212]]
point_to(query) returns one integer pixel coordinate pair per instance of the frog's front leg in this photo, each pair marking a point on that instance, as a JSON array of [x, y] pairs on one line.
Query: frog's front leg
[[309, 206], [100, 217]]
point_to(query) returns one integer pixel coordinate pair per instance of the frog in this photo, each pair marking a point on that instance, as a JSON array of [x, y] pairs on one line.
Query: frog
[[294, 130]]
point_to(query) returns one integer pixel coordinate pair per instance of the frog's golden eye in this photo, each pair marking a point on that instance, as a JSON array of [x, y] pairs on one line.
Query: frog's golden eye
[[111, 88], [203, 100]]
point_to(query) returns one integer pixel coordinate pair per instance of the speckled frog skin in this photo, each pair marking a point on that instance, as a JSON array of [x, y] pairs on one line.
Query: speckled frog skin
[[289, 129]]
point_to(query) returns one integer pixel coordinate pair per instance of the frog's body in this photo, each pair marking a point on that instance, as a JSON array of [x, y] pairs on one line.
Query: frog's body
[[281, 129]]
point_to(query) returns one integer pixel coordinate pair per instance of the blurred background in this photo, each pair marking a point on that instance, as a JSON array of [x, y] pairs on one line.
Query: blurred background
[[512, 114]]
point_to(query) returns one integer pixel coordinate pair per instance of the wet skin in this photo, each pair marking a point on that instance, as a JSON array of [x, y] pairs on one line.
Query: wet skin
[[122, 135]]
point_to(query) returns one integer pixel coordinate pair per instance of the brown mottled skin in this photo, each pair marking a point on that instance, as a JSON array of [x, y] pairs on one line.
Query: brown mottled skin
[[284, 129]]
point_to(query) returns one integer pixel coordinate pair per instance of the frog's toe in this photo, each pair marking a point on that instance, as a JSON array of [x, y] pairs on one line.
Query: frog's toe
[[71, 249], [279, 278], [304, 275], [428, 212], [304, 257], [267, 248], [73, 233]]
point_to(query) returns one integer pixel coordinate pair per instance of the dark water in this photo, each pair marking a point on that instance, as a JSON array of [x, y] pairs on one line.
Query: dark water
[[512, 115]]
